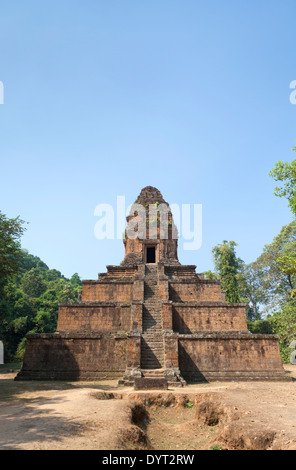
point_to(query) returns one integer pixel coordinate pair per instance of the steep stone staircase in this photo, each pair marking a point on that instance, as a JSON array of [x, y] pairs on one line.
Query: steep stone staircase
[[152, 346], [152, 351]]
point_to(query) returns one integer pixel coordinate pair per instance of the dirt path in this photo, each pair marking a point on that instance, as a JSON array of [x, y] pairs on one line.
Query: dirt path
[[57, 415]]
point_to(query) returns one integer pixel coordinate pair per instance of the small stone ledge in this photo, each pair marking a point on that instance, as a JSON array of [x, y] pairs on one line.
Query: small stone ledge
[[207, 304], [96, 304], [241, 335], [109, 281], [195, 280], [145, 383], [77, 335]]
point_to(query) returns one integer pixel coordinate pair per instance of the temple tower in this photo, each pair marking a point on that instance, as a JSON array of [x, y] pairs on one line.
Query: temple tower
[[151, 235]]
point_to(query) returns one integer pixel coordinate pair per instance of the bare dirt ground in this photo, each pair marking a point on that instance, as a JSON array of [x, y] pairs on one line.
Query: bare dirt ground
[[100, 415]]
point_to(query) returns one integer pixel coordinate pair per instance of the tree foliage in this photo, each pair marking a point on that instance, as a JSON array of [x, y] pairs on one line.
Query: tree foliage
[[286, 174], [30, 302], [273, 269], [227, 266], [281, 323], [11, 231], [251, 290]]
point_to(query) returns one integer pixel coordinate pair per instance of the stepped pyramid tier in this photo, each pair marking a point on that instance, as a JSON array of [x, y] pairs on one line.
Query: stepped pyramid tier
[[152, 318]]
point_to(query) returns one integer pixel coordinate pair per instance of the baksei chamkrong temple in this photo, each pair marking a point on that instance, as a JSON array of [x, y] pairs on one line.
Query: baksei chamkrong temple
[[152, 317]]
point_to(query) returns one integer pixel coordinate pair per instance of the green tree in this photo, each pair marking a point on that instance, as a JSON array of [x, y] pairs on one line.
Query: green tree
[[273, 276], [251, 290], [33, 284], [211, 275], [284, 325], [76, 281], [286, 174], [227, 266], [30, 292], [10, 251]]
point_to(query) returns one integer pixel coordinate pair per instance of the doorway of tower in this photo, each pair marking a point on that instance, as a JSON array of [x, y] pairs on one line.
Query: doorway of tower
[[150, 254]]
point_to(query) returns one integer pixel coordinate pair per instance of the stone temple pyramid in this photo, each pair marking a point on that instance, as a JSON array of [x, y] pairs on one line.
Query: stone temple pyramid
[[152, 318]]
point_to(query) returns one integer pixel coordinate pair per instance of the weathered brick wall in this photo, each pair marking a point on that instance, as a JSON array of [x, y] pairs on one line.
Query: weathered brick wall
[[138, 289], [171, 351], [189, 318], [167, 315], [94, 317], [118, 272], [180, 270], [163, 288], [107, 291], [195, 290], [58, 357], [212, 355]]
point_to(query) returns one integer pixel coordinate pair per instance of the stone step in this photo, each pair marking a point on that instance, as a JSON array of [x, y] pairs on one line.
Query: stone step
[[150, 313], [152, 344], [151, 316], [149, 336], [151, 308], [152, 330], [152, 359], [153, 373], [156, 365], [154, 325], [155, 333], [152, 321], [151, 353], [149, 350], [151, 341], [152, 338]]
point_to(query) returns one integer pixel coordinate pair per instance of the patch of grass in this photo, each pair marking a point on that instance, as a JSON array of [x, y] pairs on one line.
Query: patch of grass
[[189, 404], [216, 447]]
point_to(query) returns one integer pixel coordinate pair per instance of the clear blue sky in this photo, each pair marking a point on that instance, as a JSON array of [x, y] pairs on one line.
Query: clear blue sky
[[104, 97]]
